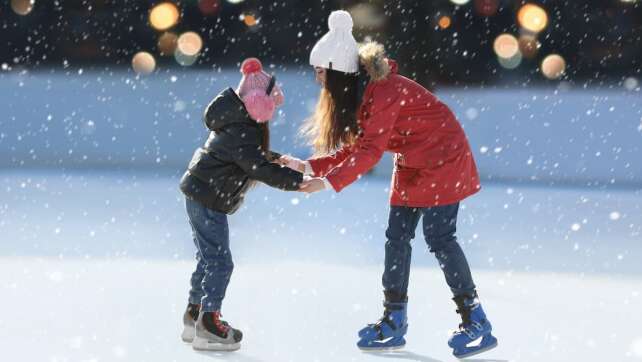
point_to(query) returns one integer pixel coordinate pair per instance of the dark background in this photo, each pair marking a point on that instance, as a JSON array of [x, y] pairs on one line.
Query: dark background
[[600, 39]]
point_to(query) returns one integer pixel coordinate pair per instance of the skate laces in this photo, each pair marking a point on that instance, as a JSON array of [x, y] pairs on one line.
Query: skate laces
[[386, 319], [218, 323], [465, 311]]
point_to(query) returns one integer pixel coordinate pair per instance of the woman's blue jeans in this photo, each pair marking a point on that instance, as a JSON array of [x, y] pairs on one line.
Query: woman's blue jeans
[[439, 226]]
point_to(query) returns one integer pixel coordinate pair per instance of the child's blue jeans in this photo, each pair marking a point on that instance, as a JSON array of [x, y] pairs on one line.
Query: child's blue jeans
[[214, 259]]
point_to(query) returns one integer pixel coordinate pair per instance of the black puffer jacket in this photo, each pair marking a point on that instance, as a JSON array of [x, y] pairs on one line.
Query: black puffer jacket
[[220, 172]]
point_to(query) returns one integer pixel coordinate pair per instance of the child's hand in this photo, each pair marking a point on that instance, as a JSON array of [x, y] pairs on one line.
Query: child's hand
[[291, 162], [310, 185]]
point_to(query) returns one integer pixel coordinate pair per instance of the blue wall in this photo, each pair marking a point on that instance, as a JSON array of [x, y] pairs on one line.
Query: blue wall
[[72, 119]]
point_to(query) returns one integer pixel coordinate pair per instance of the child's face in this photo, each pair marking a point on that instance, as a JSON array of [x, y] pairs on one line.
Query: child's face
[[277, 95], [319, 73]]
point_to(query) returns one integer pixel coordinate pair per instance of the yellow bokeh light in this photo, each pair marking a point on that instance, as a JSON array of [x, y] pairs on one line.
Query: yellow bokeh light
[[189, 43], [553, 66], [163, 16], [506, 46], [532, 18], [22, 7], [143, 63], [444, 22]]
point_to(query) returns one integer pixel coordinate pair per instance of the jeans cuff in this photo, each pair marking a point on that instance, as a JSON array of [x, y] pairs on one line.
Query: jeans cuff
[[392, 296], [468, 293], [210, 305], [195, 299]]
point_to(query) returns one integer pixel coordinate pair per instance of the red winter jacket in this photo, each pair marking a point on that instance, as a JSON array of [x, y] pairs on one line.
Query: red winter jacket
[[433, 161]]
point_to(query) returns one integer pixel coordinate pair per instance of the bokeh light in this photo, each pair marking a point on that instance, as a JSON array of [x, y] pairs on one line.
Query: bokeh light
[[512, 62], [234, 1], [188, 47], [486, 7], [528, 46], [22, 7], [506, 46], [553, 66], [209, 7], [189, 43], [631, 83], [444, 22], [249, 19], [367, 16], [532, 18], [459, 2], [143, 63], [163, 16], [167, 43]]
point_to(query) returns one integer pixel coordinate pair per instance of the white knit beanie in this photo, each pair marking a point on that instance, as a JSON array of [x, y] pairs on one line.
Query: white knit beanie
[[337, 49]]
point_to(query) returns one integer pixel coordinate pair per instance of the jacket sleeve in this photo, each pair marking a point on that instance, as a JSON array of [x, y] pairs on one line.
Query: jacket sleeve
[[248, 155], [369, 147], [322, 165]]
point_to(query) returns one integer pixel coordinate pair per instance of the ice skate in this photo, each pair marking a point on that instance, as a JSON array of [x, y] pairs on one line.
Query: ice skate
[[475, 327], [388, 333], [213, 334]]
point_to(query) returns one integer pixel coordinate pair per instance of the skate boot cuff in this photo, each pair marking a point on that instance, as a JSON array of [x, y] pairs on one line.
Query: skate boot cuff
[[465, 304], [395, 297], [193, 310]]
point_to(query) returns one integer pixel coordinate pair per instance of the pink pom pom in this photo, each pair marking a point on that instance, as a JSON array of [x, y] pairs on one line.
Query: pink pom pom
[[251, 65]]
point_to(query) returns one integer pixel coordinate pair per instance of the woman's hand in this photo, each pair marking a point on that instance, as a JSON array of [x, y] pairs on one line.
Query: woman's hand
[[291, 162], [310, 185]]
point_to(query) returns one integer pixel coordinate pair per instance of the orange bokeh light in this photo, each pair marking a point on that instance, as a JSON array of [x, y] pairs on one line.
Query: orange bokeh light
[[553, 66], [250, 20], [444, 22]]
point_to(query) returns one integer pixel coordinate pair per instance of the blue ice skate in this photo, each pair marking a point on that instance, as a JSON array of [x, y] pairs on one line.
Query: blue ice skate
[[474, 327], [388, 332]]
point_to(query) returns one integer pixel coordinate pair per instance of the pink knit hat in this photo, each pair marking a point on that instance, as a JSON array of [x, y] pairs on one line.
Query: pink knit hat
[[252, 90]]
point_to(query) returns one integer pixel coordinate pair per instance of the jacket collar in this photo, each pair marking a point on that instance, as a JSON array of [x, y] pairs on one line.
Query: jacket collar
[[373, 59]]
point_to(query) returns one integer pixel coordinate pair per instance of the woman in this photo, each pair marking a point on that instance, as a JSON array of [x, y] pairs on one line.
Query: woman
[[434, 171]]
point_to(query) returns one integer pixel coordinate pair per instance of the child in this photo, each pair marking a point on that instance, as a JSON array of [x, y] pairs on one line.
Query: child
[[233, 158]]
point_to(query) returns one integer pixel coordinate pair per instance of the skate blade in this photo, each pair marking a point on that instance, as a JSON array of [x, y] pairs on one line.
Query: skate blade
[[477, 351], [200, 344], [382, 349]]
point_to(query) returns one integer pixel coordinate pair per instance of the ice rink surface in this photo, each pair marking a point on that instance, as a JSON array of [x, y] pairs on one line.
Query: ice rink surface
[[95, 267]]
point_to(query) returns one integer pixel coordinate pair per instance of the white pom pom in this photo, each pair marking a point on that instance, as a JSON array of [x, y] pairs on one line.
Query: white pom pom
[[340, 19]]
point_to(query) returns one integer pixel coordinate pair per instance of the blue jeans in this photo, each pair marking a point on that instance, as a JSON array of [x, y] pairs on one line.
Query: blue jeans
[[440, 224], [214, 258]]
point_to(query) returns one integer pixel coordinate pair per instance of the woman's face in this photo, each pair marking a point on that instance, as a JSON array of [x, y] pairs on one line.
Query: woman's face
[[319, 73]]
